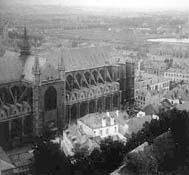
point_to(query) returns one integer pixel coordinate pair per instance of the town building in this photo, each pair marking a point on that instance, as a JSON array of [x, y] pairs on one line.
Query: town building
[[177, 75], [102, 125], [147, 96], [152, 82], [58, 86], [178, 95], [154, 66], [91, 129], [6, 165]]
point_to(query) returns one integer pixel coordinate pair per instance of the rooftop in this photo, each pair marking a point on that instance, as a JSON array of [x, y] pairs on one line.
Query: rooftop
[[180, 92], [146, 91], [149, 110], [148, 79], [5, 162], [178, 70], [135, 124], [183, 106], [94, 120], [12, 68]]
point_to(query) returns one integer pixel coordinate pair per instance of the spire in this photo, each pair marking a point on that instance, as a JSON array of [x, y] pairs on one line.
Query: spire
[[36, 67], [61, 68], [25, 48]]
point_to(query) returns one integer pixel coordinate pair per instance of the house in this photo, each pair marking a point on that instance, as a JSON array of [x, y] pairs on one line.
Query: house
[[151, 109], [6, 166], [98, 124], [147, 96], [178, 95]]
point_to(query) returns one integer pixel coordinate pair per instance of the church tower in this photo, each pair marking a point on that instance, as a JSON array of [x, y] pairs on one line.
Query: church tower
[[25, 47], [62, 102], [61, 69], [37, 120]]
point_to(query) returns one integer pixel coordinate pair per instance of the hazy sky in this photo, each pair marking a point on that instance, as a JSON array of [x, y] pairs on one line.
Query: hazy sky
[[132, 4]]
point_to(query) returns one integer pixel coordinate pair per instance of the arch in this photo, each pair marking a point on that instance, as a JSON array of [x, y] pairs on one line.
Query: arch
[[29, 96], [73, 97], [5, 96], [92, 106], [74, 112], [108, 103], [50, 99], [103, 74], [95, 75], [83, 109], [15, 92], [2, 114], [88, 77], [16, 130], [79, 78], [100, 105], [91, 94], [82, 96], [71, 81]]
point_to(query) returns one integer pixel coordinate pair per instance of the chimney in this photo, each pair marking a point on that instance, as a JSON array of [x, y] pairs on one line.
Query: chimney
[[103, 122], [117, 113], [108, 114], [111, 121]]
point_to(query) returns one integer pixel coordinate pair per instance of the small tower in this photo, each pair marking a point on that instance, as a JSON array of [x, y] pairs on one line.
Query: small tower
[[62, 96], [25, 47], [61, 69], [37, 121], [36, 71]]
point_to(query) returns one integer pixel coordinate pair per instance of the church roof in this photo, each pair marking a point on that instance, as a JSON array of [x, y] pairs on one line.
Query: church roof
[[74, 59], [10, 67], [80, 58]]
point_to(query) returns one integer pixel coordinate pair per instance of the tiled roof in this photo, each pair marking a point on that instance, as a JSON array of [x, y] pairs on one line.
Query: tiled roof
[[178, 70], [4, 156], [74, 59], [136, 123], [179, 92], [94, 120], [149, 79], [149, 110], [182, 107], [5, 162], [10, 67]]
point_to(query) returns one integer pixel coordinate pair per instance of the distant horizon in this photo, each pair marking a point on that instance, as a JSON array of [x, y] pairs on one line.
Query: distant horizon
[[130, 5]]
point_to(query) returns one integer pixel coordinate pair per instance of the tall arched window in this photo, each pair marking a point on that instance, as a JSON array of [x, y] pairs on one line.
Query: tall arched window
[[50, 99]]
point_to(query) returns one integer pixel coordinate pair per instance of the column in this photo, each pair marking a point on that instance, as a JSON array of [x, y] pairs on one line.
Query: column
[[22, 123], [87, 107], [104, 104], [111, 102], [95, 105], [10, 130], [119, 100]]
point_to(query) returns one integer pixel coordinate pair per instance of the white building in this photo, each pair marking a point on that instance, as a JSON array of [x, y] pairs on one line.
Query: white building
[[177, 75], [97, 124]]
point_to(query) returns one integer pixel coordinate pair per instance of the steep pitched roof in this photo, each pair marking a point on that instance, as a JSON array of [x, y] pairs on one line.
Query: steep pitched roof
[[5, 162], [179, 92], [74, 59], [149, 110], [10, 67], [136, 123]]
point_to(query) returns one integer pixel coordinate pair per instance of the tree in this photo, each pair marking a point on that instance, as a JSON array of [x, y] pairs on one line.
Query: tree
[[142, 162], [48, 159]]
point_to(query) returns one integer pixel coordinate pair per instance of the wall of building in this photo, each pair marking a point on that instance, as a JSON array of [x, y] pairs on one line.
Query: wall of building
[[85, 129]]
